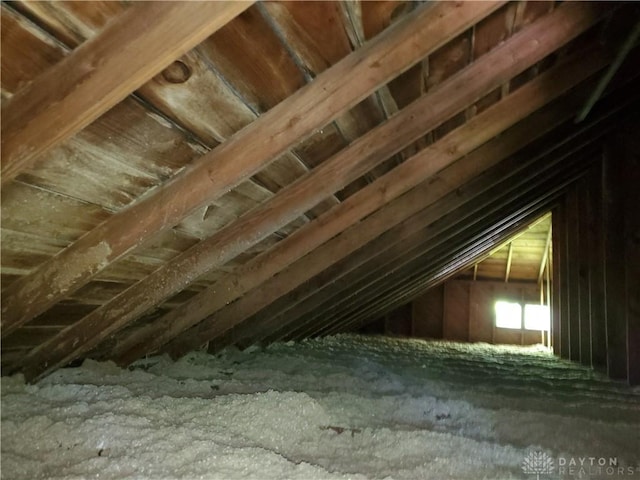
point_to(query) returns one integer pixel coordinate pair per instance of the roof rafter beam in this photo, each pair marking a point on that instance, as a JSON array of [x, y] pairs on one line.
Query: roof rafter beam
[[101, 72], [398, 181], [513, 56], [478, 203], [626, 47], [509, 259], [545, 255], [412, 282], [471, 202], [407, 283], [251, 149], [428, 279]]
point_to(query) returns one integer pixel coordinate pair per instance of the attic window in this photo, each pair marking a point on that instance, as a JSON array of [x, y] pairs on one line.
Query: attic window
[[537, 317], [508, 315]]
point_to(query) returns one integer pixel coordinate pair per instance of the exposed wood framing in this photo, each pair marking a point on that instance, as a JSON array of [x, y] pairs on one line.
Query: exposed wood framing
[[101, 72], [584, 271], [409, 174], [341, 87], [598, 322], [545, 255], [341, 285], [508, 267], [343, 282], [626, 47], [352, 12], [573, 272], [616, 294], [430, 271], [596, 268], [419, 122], [434, 269], [476, 198]]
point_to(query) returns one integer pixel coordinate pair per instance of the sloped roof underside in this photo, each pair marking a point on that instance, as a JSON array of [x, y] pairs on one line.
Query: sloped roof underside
[[297, 169]]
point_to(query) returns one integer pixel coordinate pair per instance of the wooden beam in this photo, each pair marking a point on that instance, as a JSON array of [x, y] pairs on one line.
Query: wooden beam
[[411, 283], [251, 149], [360, 288], [631, 147], [101, 72], [341, 169], [337, 284], [545, 254], [404, 127], [360, 299], [352, 13], [573, 272], [616, 293], [338, 268], [287, 251], [584, 272], [509, 258], [625, 48], [597, 262], [556, 295], [343, 286], [477, 205], [430, 272], [563, 240], [516, 174]]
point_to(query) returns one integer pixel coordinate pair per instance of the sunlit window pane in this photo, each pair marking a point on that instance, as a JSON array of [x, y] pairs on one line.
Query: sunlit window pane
[[508, 315], [537, 317]]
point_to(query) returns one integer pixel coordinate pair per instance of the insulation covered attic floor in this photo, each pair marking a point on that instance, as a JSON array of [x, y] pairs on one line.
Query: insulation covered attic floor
[[340, 407]]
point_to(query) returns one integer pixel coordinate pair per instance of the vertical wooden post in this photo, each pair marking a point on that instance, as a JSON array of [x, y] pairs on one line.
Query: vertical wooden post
[[596, 266], [631, 180], [573, 273], [563, 266], [556, 298], [615, 288], [584, 272]]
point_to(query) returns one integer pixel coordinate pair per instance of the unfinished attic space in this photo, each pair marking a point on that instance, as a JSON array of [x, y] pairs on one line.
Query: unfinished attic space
[[320, 240]]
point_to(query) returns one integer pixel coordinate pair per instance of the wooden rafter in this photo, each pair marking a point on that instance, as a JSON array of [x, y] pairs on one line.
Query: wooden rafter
[[412, 281], [626, 47], [509, 259], [449, 180], [408, 284], [311, 107], [352, 11], [545, 255], [102, 72], [349, 281], [406, 126], [396, 182]]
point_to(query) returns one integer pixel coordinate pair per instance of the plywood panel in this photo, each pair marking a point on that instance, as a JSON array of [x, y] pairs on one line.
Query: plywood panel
[[456, 311], [469, 310], [399, 321], [481, 300], [428, 313], [508, 336]]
